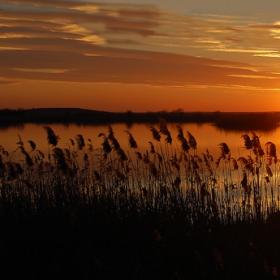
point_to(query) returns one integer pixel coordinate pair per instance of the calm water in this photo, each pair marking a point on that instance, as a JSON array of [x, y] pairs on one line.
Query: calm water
[[206, 135]]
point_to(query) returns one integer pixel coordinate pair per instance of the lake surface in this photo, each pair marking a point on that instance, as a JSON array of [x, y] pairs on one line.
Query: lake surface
[[206, 135]]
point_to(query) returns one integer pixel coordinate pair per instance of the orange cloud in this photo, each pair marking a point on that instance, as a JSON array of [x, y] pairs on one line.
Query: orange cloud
[[112, 66]]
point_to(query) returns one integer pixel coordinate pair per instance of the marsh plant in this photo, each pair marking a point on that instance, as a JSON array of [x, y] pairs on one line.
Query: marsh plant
[[169, 179]]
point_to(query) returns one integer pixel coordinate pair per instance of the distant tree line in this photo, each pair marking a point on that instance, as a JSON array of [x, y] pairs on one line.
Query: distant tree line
[[223, 120]]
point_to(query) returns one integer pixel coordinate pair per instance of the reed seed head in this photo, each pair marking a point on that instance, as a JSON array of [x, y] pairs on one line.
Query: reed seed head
[[247, 141], [131, 141], [191, 140], [51, 137], [155, 134], [32, 145], [80, 141]]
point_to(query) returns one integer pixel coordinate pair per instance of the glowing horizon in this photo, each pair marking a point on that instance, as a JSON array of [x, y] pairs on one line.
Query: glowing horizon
[[140, 57]]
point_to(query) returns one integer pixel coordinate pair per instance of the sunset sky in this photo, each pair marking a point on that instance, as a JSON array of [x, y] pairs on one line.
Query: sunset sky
[[145, 55]]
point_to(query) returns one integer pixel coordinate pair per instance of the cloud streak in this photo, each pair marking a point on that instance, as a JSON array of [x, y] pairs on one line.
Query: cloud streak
[[113, 66]]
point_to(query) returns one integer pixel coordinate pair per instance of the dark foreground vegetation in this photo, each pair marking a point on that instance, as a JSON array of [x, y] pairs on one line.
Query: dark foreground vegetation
[[168, 213], [245, 121], [92, 241]]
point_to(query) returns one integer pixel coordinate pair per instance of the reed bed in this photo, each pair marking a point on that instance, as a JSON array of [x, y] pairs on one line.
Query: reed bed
[[104, 190], [169, 178]]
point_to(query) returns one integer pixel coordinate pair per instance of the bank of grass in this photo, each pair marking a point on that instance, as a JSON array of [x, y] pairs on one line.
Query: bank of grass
[[85, 212]]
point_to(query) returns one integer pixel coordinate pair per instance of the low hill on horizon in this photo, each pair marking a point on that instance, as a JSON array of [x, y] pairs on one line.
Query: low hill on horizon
[[239, 121]]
